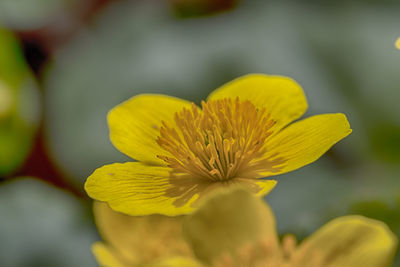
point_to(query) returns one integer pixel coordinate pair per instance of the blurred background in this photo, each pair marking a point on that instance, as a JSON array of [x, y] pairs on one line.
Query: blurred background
[[65, 63]]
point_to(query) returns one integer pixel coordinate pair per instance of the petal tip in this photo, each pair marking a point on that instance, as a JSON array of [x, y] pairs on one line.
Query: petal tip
[[388, 238], [267, 188], [91, 186], [346, 123]]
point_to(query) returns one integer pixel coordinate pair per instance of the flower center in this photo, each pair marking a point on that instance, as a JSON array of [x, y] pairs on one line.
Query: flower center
[[218, 141]]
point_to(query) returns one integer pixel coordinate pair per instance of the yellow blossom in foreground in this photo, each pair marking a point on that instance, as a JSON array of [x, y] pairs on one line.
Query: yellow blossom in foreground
[[240, 134], [139, 241], [236, 229], [397, 44]]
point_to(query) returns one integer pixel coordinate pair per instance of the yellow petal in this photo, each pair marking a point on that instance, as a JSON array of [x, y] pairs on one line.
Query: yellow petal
[[257, 186], [303, 142], [176, 262], [135, 123], [397, 44], [137, 189], [105, 256], [140, 239], [349, 241], [281, 96], [226, 222]]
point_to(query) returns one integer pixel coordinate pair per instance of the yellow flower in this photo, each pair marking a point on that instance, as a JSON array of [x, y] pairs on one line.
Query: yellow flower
[[236, 229], [239, 135], [397, 44], [139, 241]]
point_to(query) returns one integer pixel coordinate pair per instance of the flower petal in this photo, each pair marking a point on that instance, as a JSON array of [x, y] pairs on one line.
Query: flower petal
[[281, 96], [257, 186], [302, 143], [176, 262], [226, 222], [349, 241], [140, 239], [135, 125], [138, 189], [105, 256]]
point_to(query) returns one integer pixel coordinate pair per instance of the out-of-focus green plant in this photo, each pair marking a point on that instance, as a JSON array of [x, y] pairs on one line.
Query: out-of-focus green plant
[[193, 8], [19, 108], [6, 100]]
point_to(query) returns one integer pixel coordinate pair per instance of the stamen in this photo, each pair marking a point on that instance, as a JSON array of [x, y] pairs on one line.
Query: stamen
[[218, 141], [289, 244]]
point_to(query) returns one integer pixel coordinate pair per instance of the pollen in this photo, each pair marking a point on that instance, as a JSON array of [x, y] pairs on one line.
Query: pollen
[[217, 142]]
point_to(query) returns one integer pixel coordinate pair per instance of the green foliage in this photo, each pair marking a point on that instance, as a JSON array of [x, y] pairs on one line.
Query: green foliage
[[18, 123], [385, 140]]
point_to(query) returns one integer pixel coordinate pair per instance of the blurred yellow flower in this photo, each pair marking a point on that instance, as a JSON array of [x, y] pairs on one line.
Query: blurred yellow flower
[[239, 135], [397, 44], [236, 229], [139, 241]]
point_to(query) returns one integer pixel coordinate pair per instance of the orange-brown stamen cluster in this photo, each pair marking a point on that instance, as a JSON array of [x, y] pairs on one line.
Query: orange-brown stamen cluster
[[217, 142]]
